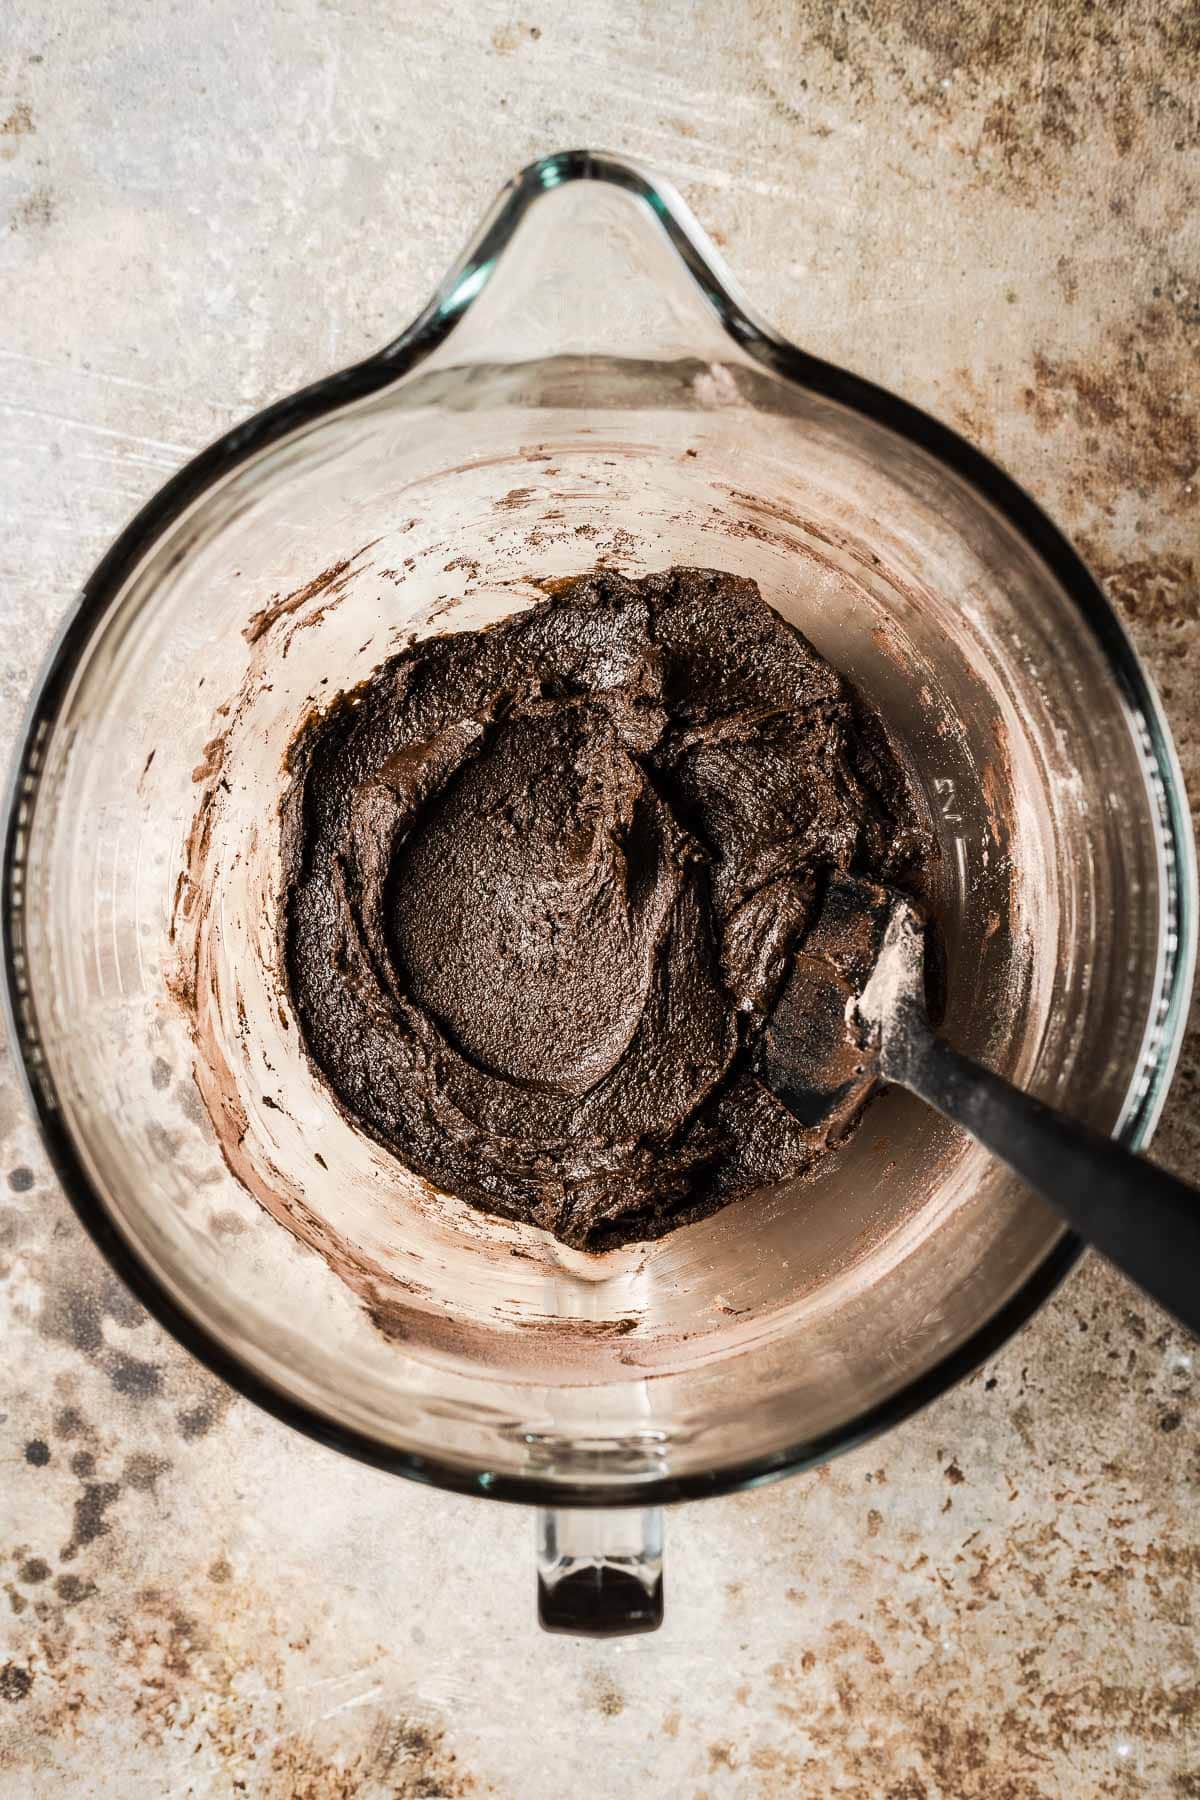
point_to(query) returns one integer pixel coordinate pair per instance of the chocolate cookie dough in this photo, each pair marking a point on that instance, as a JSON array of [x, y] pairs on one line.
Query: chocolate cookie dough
[[547, 883]]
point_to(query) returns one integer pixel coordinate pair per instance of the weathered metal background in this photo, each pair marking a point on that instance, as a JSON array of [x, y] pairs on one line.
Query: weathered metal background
[[991, 208]]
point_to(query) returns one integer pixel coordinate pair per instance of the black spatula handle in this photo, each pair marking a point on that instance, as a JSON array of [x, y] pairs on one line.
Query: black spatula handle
[[1145, 1221]]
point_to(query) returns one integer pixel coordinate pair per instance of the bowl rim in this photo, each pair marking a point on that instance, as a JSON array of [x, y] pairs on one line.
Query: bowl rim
[[468, 277]]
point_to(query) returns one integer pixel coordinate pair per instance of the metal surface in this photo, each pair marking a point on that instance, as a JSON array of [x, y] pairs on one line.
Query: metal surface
[[1012, 1605]]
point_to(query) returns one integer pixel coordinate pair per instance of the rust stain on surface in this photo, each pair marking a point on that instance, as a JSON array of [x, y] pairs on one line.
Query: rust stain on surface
[[1162, 590], [1134, 407], [35, 212], [19, 122]]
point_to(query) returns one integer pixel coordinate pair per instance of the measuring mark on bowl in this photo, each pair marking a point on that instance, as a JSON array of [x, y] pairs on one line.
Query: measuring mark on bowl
[[947, 798]]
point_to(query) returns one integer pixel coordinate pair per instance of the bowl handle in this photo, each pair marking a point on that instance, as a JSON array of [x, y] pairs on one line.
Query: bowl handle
[[600, 1570]]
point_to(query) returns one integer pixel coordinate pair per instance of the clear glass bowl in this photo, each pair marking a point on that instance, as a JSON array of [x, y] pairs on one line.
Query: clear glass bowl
[[586, 385]]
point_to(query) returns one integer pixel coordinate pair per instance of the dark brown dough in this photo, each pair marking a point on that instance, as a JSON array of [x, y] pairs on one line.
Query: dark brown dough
[[545, 884]]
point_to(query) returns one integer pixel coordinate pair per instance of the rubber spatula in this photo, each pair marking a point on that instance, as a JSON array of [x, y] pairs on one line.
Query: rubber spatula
[[1145, 1221]]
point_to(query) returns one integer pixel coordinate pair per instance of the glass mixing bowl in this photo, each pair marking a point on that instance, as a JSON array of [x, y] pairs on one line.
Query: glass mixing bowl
[[585, 386]]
